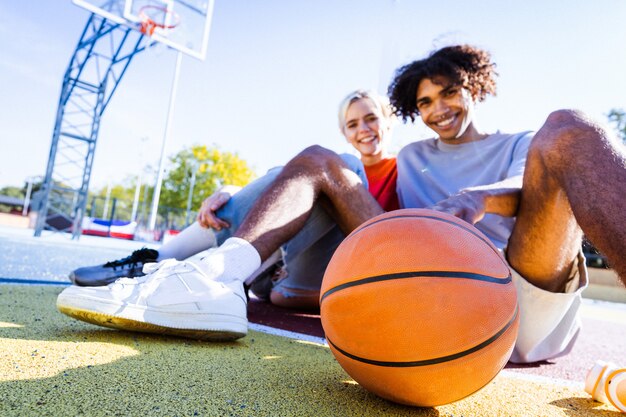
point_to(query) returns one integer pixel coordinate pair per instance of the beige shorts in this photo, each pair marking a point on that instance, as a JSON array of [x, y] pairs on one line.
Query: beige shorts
[[549, 322]]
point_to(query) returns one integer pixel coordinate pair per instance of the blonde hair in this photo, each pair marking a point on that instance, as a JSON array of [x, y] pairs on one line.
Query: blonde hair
[[381, 103]]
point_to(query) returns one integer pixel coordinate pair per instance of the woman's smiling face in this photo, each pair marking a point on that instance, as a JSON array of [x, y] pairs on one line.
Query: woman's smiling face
[[366, 128]]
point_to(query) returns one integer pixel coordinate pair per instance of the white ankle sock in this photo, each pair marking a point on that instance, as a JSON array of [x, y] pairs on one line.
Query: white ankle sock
[[192, 240], [235, 259]]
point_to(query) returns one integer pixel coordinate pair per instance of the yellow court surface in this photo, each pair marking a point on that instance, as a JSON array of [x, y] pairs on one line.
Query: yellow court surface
[[53, 365]]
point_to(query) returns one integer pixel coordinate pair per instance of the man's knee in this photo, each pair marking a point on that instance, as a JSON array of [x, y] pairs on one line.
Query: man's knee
[[316, 161], [567, 134], [319, 155], [571, 127], [565, 117]]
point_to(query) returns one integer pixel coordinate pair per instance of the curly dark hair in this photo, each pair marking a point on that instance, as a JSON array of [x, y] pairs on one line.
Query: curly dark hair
[[462, 65]]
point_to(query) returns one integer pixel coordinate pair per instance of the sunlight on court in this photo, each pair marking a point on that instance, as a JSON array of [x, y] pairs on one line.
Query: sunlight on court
[[307, 342], [613, 313], [269, 357], [22, 359], [7, 325]]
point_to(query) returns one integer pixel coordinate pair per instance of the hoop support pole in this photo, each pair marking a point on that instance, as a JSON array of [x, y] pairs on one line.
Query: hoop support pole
[[168, 127]]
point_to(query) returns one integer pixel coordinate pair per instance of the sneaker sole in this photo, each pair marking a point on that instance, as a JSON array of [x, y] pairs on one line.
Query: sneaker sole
[[121, 323], [220, 328]]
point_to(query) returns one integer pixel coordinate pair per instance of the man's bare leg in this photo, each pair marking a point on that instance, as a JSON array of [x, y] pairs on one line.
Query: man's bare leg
[[574, 178], [315, 175]]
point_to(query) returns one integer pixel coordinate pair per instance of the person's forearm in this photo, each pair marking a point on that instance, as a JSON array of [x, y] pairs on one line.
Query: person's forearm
[[501, 198]]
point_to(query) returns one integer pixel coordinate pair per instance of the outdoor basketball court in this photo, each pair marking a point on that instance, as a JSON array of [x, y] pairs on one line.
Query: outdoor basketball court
[[53, 365]]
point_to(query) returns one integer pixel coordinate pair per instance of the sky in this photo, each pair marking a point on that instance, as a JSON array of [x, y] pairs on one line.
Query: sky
[[275, 72]]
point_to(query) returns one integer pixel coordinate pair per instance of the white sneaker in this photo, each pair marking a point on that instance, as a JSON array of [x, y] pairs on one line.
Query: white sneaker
[[174, 297]]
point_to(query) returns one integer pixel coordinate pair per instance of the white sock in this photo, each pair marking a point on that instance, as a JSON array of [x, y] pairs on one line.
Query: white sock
[[191, 241], [235, 259]]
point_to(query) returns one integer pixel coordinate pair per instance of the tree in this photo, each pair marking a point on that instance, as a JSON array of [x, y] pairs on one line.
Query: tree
[[618, 118], [212, 168], [17, 192], [123, 194], [10, 191]]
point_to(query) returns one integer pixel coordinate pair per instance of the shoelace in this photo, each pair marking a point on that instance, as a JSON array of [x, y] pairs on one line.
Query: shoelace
[[155, 273], [138, 256], [165, 265]]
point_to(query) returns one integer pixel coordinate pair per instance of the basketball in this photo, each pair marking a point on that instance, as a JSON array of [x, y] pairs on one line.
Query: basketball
[[419, 308]]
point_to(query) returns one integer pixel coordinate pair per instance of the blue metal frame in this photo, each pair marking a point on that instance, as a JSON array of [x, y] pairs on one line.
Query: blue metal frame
[[100, 60]]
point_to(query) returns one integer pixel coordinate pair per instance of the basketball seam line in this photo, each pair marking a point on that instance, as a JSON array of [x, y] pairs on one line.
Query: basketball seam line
[[434, 361], [418, 274], [489, 243], [398, 216]]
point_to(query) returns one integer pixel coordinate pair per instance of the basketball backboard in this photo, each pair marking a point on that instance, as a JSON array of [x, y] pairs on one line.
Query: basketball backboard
[[186, 22]]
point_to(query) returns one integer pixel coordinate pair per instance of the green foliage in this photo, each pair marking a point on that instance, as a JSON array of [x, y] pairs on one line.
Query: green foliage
[[213, 169], [124, 195], [618, 118], [10, 191]]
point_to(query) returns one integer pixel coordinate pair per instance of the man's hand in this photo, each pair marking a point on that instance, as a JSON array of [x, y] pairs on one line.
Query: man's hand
[[471, 204], [467, 205], [207, 217]]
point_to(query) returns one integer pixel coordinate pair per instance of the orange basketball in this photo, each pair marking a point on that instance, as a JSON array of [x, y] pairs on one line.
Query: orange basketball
[[419, 308]]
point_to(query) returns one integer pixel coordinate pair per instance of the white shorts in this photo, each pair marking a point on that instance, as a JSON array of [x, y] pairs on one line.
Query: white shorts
[[549, 322]]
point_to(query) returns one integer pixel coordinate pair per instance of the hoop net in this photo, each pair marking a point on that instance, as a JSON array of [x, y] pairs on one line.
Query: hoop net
[[153, 17]]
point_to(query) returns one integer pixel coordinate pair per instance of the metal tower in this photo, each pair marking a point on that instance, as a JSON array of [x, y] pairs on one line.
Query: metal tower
[[99, 62]]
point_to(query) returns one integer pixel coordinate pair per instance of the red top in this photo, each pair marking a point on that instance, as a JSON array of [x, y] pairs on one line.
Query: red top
[[382, 178]]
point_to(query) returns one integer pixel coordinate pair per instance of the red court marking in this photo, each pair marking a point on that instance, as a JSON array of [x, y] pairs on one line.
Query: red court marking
[[299, 321]]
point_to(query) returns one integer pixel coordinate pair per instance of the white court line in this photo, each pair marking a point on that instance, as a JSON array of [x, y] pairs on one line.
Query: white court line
[[606, 311], [508, 373], [600, 304], [286, 333]]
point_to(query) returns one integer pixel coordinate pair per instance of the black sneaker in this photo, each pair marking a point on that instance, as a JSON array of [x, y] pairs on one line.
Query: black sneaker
[[99, 275]]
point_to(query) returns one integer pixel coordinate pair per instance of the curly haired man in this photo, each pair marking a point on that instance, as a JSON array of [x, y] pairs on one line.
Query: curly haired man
[[530, 194]]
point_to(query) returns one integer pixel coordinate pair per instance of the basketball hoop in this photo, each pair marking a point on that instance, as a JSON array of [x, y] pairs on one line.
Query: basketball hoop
[[153, 17]]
